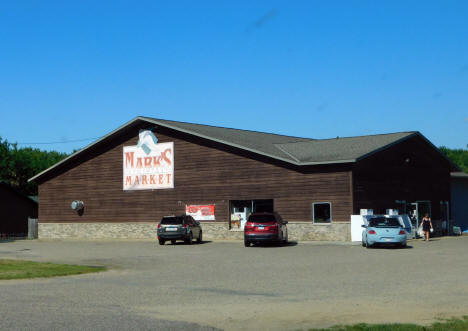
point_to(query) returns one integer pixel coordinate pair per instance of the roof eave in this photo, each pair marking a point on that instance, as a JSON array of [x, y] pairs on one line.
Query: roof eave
[[386, 146], [414, 134], [220, 141], [84, 149], [327, 162], [453, 164], [295, 162], [153, 121]]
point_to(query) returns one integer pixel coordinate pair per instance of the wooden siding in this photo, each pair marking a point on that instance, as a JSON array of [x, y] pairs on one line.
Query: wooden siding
[[385, 177], [204, 173]]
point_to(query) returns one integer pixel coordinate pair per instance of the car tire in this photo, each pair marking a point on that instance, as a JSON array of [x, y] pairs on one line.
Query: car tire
[[173, 241], [200, 238], [189, 240], [246, 243], [161, 241], [367, 245], [363, 244]]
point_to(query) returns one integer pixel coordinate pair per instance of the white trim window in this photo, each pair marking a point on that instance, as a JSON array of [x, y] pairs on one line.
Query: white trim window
[[322, 212]]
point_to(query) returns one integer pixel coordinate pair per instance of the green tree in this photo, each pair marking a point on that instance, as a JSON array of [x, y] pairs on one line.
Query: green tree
[[17, 165], [458, 156], [6, 166]]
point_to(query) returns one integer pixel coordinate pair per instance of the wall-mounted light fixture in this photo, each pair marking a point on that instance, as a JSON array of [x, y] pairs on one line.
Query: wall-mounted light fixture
[[77, 205]]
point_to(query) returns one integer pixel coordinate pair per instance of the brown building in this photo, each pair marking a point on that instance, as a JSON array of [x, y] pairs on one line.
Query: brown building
[[460, 200], [15, 208], [127, 182]]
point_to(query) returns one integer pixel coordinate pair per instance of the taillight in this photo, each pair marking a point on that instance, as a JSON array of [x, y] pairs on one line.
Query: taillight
[[273, 228], [402, 232], [372, 232], [159, 226], [185, 225]]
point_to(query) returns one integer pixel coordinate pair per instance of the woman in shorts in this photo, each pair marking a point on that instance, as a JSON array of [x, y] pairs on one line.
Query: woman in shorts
[[426, 225]]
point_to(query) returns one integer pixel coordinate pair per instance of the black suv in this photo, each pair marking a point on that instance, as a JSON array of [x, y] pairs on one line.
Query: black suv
[[179, 228]]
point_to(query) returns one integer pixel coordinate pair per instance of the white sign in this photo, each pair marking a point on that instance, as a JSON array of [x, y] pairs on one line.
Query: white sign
[[148, 165]]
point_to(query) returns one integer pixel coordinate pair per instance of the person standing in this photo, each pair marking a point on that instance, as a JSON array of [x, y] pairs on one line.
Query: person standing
[[426, 225]]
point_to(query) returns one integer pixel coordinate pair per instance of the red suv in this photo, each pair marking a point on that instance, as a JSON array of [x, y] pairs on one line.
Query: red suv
[[265, 227]]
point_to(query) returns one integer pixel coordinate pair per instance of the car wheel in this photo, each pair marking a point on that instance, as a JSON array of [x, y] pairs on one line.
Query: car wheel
[[200, 238], [367, 245], [189, 239], [173, 241], [161, 241], [246, 243], [363, 244]]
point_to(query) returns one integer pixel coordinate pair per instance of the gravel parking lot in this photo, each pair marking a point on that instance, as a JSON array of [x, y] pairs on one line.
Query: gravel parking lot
[[223, 285]]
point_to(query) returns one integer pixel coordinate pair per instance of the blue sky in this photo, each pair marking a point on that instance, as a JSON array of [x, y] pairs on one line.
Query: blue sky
[[319, 69]]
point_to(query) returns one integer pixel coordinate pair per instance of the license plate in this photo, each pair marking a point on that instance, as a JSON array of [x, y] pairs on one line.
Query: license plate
[[261, 227], [388, 239], [171, 229]]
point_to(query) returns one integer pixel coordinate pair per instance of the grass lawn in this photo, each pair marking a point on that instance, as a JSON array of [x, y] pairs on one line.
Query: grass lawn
[[17, 269], [447, 325]]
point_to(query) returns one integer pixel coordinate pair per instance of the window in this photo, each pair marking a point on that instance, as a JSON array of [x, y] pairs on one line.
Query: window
[[322, 212], [174, 220], [262, 219], [383, 222]]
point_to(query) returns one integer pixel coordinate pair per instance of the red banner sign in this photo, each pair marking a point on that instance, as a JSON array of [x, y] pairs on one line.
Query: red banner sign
[[201, 212]]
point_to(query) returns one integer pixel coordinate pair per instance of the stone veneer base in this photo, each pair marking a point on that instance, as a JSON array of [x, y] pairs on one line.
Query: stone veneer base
[[299, 231]]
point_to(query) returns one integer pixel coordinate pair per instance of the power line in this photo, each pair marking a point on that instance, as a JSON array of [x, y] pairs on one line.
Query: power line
[[58, 142]]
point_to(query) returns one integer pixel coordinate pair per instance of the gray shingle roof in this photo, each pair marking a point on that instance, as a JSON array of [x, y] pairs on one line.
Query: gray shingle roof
[[250, 140], [340, 149], [294, 150]]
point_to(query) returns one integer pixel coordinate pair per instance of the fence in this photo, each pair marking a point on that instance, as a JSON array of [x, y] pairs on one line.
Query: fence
[[32, 228]]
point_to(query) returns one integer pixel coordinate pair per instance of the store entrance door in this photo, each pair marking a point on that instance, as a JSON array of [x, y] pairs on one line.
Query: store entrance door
[[417, 210], [240, 211]]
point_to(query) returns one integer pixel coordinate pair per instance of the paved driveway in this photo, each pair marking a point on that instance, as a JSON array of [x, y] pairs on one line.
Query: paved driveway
[[224, 285]]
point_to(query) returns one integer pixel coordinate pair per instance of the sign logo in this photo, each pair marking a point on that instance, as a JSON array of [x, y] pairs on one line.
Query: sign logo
[[201, 212], [148, 165], [146, 139]]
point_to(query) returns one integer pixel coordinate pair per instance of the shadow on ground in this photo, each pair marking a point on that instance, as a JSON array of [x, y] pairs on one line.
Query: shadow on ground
[[390, 247], [272, 244], [182, 243]]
